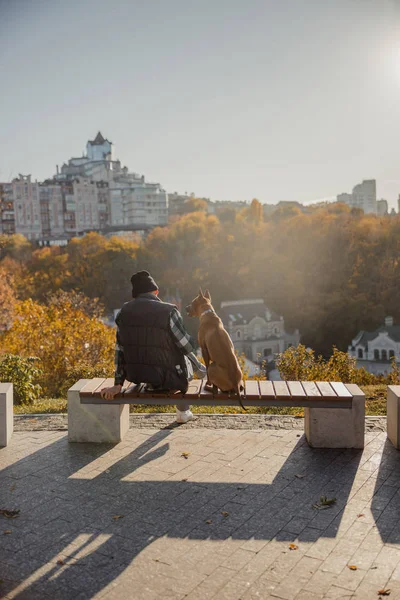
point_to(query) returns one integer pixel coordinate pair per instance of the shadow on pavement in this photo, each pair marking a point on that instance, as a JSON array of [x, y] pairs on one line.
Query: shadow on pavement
[[82, 522]]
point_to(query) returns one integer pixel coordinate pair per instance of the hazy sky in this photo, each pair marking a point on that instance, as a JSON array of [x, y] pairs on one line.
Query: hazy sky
[[230, 99]]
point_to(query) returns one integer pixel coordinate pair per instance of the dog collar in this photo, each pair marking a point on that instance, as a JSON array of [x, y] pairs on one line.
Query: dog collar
[[209, 310]]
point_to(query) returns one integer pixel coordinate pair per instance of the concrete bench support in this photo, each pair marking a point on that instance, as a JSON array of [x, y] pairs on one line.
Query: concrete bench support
[[6, 413], [337, 428], [96, 423], [393, 415]]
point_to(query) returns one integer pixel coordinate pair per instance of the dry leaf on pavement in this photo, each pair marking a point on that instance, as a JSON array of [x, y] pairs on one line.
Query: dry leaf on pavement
[[118, 516], [360, 515], [293, 547], [352, 567], [208, 522], [60, 561], [7, 532], [10, 514], [185, 454], [224, 513], [384, 592]]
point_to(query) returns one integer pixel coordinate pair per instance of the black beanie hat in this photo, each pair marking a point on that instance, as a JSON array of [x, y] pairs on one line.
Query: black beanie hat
[[142, 282]]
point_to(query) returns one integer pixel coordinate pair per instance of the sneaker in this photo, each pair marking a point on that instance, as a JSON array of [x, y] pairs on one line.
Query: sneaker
[[184, 416]]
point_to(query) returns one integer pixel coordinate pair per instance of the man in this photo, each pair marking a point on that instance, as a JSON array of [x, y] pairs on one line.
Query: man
[[152, 345]]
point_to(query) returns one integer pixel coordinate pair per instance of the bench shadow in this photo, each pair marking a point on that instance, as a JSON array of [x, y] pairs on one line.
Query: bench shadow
[[82, 524], [385, 503]]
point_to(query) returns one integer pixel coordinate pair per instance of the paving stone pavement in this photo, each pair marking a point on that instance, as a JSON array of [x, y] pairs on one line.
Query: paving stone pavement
[[198, 514], [59, 422]]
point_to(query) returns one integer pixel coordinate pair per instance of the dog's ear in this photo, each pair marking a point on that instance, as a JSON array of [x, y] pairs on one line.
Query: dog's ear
[[207, 295], [201, 292]]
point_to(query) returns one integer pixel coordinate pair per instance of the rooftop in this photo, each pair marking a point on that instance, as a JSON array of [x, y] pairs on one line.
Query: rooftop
[[240, 311]]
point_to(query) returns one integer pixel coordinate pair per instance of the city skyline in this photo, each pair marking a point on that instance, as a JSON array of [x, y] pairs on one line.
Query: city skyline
[[290, 101]]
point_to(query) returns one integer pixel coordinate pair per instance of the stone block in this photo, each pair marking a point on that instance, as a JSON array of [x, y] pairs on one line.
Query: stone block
[[96, 423], [393, 415], [337, 427], [6, 413]]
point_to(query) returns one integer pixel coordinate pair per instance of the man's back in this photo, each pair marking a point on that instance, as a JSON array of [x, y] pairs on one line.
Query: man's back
[[150, 354]]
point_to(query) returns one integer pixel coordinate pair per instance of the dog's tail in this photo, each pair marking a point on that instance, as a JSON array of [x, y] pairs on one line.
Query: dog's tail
[[238, 390]]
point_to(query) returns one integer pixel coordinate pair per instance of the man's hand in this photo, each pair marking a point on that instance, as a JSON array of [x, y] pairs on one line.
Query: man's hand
[[110, 392]]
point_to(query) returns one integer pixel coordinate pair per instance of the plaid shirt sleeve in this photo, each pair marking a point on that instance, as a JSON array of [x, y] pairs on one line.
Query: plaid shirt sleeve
[[120, 374], [180, 336]]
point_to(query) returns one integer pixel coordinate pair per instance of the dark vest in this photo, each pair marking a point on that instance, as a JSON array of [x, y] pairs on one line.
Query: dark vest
[[150, 353]]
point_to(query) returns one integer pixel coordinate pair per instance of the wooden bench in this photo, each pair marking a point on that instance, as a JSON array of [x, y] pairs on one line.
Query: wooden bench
[[334, 413], [6, 413]]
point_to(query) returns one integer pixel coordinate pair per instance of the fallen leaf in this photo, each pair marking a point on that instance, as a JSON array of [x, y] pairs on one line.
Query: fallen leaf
[[209, 522], [10, 514], [352, 567], [7, 532], [118, 516], [327, 501], [360, 515], [185, 454], [299, 476], [60, 561], [293, 547], [324, 503], [12, 488], [384, 592], [224, 513], [184, 479]]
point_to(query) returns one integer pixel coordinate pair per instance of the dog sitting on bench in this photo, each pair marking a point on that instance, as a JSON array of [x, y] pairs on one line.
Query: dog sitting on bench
[[223, 370]]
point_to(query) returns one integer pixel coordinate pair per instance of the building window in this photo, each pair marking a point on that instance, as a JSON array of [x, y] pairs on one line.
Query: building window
[[360, 353], [391, 353], [376, 354], [384, 355], [267, 351]]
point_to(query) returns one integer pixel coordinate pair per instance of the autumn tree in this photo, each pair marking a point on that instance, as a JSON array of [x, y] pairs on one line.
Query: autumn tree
[[67, 342]]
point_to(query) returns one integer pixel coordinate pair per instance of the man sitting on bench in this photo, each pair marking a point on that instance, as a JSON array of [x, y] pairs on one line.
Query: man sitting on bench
[[152, 344]]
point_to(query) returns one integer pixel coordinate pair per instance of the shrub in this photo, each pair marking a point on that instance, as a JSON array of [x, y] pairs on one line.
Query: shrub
[[300, 364], [24, 374], [393, 377]]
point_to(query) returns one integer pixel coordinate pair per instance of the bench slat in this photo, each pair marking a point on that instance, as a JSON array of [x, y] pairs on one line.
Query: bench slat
[[296, 389], [205, 394], [133, 391], [252, 390], [341, 389], [281, 389], [326, 389], [310, 389], [194, 389], [266, 389], [91, 385], [106, 383], [126, 386]]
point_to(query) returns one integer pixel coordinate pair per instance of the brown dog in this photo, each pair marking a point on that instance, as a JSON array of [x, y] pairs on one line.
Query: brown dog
[[223, 370]]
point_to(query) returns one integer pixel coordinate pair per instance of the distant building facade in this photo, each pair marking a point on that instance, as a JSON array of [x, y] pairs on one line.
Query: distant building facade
[[382, 207], [256, 331], [89, 193], [375, 350], [363, 196]]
